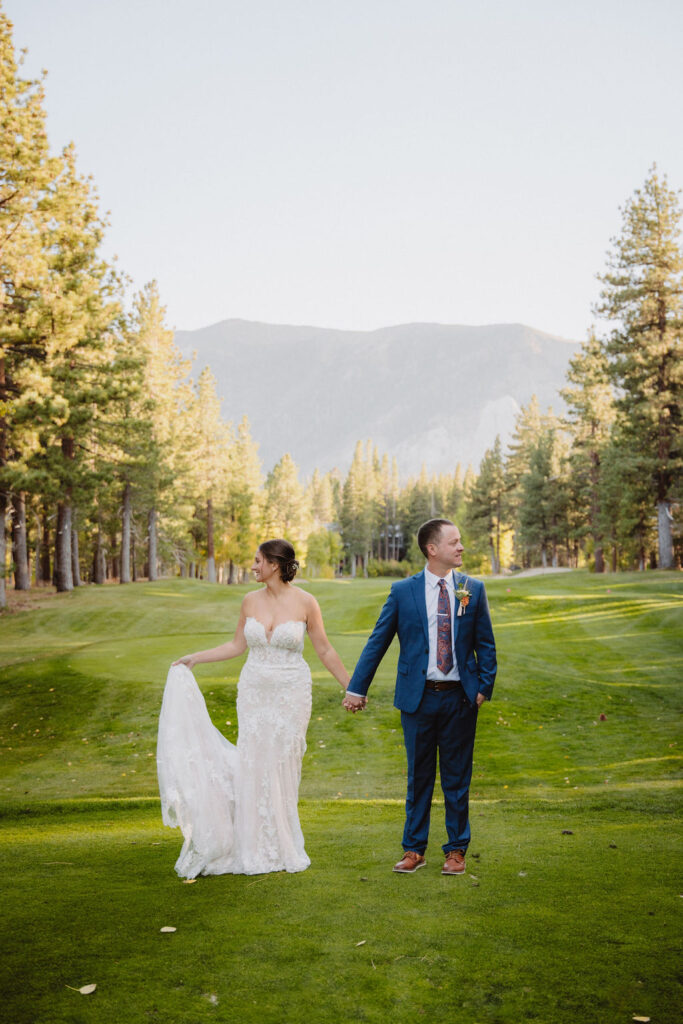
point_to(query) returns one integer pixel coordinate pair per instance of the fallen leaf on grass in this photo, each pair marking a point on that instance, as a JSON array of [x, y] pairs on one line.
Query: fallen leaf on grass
[[86, 990], [567, 832], [362, 942], [189, 881], [643, 1019], [167, 928]]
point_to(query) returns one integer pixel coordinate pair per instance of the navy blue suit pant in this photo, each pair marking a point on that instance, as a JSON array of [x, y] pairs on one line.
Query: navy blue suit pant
[[445, 721]]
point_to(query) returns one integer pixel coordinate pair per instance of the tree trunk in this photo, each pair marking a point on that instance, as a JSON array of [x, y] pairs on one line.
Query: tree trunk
[[37, 551], [75, 561], [125, 535], [664, 536], [3, 553], [210, 550], [22, 576], [544, 558], [63, 569], [114, 560], [99, 573], [132, 557], [232, 572], [595, 511], [45, 548], [3, 494], [152, 544]]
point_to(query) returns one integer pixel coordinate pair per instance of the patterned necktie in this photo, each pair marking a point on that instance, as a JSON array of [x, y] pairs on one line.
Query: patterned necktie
[[444, 650]]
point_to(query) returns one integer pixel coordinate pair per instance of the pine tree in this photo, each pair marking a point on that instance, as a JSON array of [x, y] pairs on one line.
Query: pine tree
[[166, 395], [285, 513], [486, 508], [213, 438], [360, 515], [590, 402], [81, 307], [545, 498], [25, 169], [242, 501], [643, 295]]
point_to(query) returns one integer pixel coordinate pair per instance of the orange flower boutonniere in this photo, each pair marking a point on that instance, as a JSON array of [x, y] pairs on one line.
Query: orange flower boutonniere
[[463, 595]]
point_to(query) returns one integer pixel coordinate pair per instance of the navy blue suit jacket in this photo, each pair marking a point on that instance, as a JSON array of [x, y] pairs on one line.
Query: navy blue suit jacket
[[405, 615]]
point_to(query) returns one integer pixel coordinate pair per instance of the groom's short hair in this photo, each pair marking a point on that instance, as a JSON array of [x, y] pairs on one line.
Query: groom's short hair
[[429, 533]]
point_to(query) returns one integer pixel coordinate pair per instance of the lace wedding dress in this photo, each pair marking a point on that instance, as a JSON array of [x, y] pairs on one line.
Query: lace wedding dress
[[237, 805]]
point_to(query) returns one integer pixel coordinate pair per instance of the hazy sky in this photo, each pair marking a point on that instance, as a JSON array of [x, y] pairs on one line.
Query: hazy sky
[[359, 163]]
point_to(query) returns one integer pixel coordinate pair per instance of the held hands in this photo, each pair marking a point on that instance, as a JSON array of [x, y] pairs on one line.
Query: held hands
[[353, 703]]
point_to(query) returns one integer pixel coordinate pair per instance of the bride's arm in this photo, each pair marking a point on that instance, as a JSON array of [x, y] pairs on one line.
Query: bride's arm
[[232, 649], [322, 646]]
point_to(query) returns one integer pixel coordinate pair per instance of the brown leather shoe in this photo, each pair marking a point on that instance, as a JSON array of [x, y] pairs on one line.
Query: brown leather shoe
[[455, 863], [410, 862]]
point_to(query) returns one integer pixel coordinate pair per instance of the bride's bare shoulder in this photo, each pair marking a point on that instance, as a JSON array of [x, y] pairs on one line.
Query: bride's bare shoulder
[[309, 603], [249, 601]]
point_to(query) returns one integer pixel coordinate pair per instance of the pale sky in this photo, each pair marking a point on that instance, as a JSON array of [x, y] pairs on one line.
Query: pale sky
[[361, 163]]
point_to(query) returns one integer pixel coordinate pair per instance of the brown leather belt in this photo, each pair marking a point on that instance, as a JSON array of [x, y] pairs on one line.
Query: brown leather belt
[[439, 684]]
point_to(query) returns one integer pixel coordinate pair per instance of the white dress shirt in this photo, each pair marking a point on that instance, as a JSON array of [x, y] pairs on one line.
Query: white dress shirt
[[432, 591]]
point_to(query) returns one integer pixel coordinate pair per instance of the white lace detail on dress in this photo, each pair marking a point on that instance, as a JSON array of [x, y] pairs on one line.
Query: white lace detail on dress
[[237, 806]]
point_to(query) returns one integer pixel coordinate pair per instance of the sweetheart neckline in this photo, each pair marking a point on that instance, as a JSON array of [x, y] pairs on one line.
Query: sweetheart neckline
[[276, 626]]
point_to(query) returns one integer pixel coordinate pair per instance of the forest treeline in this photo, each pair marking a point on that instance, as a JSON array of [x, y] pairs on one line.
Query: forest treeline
[[116, 463]]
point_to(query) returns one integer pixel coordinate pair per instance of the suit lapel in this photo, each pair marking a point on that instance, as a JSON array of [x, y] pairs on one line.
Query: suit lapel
[[418, 589], [458, 578]]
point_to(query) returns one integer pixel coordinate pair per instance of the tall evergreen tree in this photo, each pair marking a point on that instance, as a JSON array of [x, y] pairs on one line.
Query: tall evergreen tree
[[166, 395], [643, 295], [83, 305], [242, 501], [590, 403], [25, 170], [213, 438], [285, 513], [486, 508]]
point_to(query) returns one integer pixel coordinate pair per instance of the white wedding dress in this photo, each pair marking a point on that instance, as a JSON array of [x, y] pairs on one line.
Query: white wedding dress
[[237, 805]]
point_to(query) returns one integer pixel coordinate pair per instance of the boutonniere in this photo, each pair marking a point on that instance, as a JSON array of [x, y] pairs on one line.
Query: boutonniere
[[463, 595]]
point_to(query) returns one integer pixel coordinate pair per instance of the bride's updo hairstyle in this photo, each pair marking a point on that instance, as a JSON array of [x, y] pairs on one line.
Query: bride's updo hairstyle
[[282, 554]]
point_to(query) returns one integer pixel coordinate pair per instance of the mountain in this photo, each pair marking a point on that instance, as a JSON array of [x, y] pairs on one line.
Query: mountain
[[428, 393]]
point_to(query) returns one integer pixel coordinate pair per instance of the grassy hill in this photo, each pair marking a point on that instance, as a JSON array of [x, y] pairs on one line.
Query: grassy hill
[[568, 909]]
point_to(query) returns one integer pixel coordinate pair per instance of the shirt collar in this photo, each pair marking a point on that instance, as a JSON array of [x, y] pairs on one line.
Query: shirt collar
[[433, 580]]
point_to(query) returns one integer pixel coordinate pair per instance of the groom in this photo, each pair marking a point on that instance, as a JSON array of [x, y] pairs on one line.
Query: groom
[[446, 670]]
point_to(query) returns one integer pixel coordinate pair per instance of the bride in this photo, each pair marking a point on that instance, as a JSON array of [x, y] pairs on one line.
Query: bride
[[237, 805]]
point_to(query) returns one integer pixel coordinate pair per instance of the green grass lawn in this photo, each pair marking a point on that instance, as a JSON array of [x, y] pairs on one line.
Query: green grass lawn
[[546, 926]]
